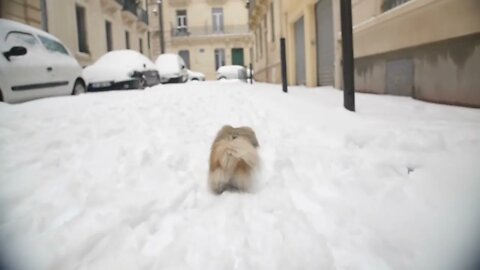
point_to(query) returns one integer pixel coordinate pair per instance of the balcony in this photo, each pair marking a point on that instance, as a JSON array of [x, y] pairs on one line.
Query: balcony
[[142, 23], [178, 3], [129, 12], [256, 10], [111, 6], [208, 31]]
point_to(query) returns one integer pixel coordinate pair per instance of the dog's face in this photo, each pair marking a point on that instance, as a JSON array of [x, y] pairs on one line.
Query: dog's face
[[230, 133]]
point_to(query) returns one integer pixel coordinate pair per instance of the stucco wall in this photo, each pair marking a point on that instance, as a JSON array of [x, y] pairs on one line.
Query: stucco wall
[[24, 11], [444, 72]]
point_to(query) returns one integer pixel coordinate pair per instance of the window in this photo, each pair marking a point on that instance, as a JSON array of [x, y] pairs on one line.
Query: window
[[389, 4], [219, 58], [185, 55], [21, 39], [140, 45], [181, 21], [52, 45], [148, 40], [272, 22], [108, 32], [81, 29], [127, 39], [217, 20], [260, 45]]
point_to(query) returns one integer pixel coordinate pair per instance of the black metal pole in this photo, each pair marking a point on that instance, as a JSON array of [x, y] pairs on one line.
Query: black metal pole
[[347, 50], [160, 25], [283, 57], [251, 73]]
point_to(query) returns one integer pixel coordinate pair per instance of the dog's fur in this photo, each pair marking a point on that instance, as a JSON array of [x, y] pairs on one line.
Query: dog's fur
[[233, 159]]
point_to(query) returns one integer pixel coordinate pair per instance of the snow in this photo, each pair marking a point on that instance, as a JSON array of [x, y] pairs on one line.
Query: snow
[[118, 180], [116, 66], [168, 63]]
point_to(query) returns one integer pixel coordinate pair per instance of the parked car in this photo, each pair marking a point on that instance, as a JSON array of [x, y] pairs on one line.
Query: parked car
[[172, 68], [195, 75], [121, 70], [35, 64], [231, 73]]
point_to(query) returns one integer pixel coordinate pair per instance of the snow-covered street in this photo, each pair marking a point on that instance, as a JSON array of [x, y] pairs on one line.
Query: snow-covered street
[[118, 180]]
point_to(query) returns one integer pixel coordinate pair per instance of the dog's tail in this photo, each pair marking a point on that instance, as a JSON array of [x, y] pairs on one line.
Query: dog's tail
[[236, 151], [228, 157]]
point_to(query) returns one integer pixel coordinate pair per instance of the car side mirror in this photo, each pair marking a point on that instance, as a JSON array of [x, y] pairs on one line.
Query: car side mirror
[[15, 51]]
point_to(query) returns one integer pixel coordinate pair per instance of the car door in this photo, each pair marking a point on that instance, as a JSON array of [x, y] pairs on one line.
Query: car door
[[64, 69], [26, 76]]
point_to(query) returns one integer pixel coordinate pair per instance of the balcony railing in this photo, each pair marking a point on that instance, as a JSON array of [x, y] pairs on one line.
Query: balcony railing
[[251, 6], [389, 4], [142, 15], [131, 6], [209, 31]]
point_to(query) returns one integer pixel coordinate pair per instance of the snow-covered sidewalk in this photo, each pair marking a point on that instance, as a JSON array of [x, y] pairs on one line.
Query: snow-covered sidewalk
[[117, 180]]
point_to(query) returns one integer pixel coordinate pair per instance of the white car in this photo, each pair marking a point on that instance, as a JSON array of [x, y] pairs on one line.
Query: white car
[[35, 64], [195, 75], [121, 70], [233, 72], [172, 68]]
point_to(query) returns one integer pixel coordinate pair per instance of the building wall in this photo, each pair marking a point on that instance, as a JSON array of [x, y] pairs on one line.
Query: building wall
[[62, 23], [435, 42], [201, 44], [24, 11], [427, 49]]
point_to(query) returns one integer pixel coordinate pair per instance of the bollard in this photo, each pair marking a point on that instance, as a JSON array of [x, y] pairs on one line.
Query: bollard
[[283, 58], [347, 50]]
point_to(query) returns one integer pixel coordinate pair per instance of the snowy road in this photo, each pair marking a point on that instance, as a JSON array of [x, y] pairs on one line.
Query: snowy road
[[117, 180]]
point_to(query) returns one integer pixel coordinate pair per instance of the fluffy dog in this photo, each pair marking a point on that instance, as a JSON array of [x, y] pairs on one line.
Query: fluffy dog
[[233, 159]]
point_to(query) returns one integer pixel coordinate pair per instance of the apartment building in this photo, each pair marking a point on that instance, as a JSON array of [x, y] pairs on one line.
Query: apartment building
[[206, 33], [427, 49], [92, 28], [88, 28]]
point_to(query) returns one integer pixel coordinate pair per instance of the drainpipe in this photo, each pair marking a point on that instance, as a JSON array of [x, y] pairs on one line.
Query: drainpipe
[[160, 24]]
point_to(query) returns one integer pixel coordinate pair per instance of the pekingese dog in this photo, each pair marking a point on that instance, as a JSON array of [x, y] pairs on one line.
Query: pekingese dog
[[233, 159]]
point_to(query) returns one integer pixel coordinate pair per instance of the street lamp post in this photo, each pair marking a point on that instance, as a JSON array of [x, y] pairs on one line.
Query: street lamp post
[[347, 51]]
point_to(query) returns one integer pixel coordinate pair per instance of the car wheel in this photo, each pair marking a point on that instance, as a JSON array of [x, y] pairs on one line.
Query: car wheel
[[78, 87]]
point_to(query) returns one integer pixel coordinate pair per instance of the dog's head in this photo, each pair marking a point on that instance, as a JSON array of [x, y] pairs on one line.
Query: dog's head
[[230, 133]]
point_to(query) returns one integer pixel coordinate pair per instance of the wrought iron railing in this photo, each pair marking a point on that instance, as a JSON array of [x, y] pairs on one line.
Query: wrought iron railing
[[251, 6], [142, 15], [209, 30], [131, 6], [389, 4]]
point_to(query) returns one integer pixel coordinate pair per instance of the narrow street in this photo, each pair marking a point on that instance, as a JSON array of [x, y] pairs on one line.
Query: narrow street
[[118, 180]]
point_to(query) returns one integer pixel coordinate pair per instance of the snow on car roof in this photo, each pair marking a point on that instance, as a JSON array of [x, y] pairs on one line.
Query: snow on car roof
[[168, 63], [8, 26], [125, 57]]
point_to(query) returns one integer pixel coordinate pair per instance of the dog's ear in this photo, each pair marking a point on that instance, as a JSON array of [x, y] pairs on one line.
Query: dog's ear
[[249, 134], [224, 132]]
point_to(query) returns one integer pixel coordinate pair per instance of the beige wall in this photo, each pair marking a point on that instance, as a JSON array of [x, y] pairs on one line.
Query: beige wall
[[434, 38], [62, 23], [24, 11], [201, 44], [415, 23]]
